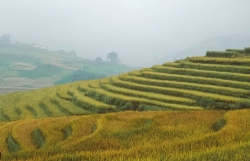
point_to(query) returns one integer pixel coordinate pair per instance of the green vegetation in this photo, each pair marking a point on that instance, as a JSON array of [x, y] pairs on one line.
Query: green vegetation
[[241, 51], [191, 109], [8, 58], [239, 61], [24, 67], [228, 53], [185, 84], [67, 131], [12, 144], [38, 138], [220, 53], [247, 51], [41, 71]]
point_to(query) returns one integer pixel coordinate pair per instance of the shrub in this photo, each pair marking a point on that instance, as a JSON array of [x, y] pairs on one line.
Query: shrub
[[12, 144], [38, 138], [229, 61], [220, 54], [247, 50], [219, 124], [235, 50]]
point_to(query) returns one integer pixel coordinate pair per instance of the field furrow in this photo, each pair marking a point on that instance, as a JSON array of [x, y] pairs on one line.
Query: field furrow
[[148, 95], [25, 113], [12, 144], [5, 130], [244, 61], [51, 131], [38, 138], [50, 109], [210, 67], [69, 106], [88, 103], [236, 92], [9, 113], [32, 110], [38, 111], [22, 132], [203, 73], [196, 95], [81, 128], [124, 102], [66, 111], [193, 79]]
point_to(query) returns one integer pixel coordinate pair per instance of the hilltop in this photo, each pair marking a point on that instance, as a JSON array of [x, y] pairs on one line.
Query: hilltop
[[190, 109], [30, 66]]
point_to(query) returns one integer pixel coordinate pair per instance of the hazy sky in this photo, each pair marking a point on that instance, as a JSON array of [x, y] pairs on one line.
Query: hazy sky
[[138, 30]]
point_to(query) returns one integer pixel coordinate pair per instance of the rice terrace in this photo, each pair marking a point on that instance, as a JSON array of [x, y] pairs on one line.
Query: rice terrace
[[191, 109]]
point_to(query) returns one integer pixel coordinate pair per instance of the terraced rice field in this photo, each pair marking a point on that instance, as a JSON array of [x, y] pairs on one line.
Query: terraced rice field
[[155, 135], [85, 120], [195, 83]]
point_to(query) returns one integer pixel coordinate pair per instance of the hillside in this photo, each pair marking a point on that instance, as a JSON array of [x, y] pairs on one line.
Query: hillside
[[191, 109], [27, 67], [219, 80], [192, 135]]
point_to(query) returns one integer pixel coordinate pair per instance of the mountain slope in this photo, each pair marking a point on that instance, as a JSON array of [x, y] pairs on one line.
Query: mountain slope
[[55, 123], [196, 83]]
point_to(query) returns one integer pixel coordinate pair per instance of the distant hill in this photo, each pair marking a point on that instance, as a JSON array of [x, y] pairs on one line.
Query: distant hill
[[29, 66], [216, 43]]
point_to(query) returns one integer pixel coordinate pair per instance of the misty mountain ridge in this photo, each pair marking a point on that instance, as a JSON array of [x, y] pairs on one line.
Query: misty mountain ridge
[[236, 41]]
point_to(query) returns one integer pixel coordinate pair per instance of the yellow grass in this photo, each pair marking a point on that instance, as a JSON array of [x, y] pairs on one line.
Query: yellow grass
[[51, 123], [147, 95], [159, 87], [237, 61], [175, 91], [176, 135], [203, 73], [63, 92], [212, 67], [194, 79], [186, 85]]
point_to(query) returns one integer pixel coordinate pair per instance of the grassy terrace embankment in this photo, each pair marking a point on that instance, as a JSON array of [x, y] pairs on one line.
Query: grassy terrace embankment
[[155, 135], [196, 83], [178, 127]]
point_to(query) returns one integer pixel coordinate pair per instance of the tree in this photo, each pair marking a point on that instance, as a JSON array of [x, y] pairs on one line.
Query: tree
[[5, 39], [113, 57], [85, 68], [73, 52], [98, 60]]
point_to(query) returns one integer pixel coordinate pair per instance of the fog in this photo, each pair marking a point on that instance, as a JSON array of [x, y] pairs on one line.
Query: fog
[[140, 31]]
